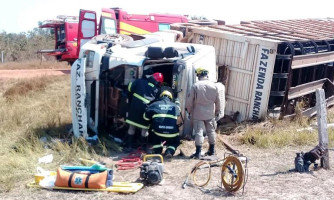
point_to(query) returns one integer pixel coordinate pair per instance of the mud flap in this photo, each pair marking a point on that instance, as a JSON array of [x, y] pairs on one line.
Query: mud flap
[[78, 98]]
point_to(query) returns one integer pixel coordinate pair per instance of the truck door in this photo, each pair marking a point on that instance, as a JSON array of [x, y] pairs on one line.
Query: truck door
[[107, 22], [87, 27]]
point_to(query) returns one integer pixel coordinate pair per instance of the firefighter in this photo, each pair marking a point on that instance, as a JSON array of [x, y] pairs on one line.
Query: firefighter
[[142, 92], [163, 116], [203, 104]]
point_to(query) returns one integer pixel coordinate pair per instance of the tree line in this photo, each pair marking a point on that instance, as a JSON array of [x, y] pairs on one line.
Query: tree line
[[23, 46]]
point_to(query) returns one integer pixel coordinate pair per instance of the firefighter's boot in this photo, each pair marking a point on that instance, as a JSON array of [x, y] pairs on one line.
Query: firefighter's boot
[[197, 154], [169, 153], [211, 150], [145, 146], [129, 145]]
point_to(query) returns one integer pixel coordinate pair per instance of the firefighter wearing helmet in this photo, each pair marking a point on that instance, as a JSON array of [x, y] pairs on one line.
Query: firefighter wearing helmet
[[163, 116], [203, 105], [142, 92]]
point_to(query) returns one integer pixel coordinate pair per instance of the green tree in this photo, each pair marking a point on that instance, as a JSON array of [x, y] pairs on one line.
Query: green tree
[[24, 46]]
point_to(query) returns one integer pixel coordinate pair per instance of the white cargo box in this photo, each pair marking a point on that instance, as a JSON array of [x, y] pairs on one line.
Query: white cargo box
[[271, 65]]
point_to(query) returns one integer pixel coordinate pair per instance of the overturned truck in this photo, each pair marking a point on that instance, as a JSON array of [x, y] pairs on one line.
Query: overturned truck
[[270, 67], [108, 63]]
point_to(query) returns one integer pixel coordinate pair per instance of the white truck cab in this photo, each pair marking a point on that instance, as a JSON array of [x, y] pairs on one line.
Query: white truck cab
[[108, 63]]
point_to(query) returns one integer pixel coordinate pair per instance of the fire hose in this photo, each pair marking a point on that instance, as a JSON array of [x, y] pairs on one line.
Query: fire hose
[[233, 173], [131, 161]]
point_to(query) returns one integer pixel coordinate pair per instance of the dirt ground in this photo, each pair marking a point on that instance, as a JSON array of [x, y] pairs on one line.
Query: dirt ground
[[268, 178], [31, 73], [268, 173]]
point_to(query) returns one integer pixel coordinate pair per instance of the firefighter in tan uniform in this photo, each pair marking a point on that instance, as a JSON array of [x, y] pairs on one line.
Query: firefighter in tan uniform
[[203, 104]]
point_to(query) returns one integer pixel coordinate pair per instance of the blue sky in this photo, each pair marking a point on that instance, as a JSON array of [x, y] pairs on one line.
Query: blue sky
[[23, 15]]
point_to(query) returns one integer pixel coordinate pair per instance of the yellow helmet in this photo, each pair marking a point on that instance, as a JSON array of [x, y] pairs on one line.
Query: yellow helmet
[[167, 94], [201, 71]]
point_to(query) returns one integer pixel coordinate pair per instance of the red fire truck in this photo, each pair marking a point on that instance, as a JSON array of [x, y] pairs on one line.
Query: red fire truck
[[66, 34], [68, 38]]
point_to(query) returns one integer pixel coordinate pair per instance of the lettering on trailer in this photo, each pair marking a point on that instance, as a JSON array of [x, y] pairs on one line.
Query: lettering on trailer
[[78, 99], [260, 80], [78, 93]]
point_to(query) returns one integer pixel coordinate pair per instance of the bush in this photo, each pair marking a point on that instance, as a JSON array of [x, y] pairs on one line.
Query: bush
[[23, 46]]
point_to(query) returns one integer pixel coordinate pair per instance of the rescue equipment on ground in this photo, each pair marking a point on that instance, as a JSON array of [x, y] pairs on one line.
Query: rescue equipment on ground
[[120, 187], [84, 179], [233, 172], [304, 160], [93, 168], [131, 161], [88, 162], [41, 174], [152, 169], [93, 178]]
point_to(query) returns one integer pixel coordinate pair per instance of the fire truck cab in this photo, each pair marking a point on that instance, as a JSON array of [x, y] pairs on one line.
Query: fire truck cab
[[69, 37], [66, 34]]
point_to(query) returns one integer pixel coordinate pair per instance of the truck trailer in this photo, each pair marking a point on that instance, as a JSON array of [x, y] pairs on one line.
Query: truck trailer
[[271, 68]]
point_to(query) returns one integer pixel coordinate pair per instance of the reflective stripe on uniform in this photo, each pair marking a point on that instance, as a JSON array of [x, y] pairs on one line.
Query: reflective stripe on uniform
[[157, 146], [129, 86], [171, 147], [144, 116], [141, 98], [166, 135], [151, 84], [179, 108], [164, 115], [136, 124]]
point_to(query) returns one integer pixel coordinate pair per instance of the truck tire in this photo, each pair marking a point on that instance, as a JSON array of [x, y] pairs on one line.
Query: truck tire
[[155, 52], [170, 52]]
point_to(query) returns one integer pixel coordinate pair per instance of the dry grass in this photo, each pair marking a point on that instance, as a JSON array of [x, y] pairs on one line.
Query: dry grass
[[35, 64], [282, 133], [39, 108], [26, 86]]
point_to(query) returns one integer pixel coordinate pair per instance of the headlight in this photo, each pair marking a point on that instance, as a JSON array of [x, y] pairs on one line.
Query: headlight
[[89, 55]]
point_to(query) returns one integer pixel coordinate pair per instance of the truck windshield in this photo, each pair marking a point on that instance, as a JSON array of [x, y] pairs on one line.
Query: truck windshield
[[108, 26]]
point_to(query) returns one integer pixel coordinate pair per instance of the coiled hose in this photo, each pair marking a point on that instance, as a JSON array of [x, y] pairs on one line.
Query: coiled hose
[[232, 173]]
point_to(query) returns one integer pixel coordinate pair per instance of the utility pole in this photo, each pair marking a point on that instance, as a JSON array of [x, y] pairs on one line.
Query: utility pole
[[322, 126]]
